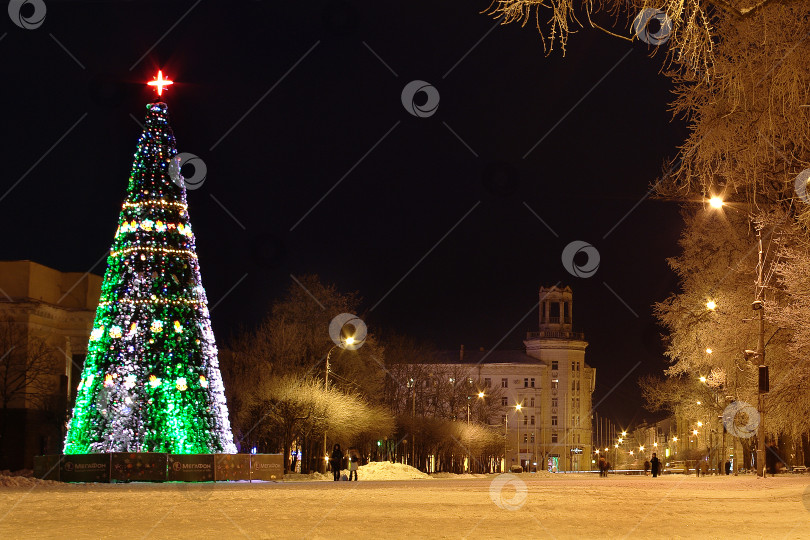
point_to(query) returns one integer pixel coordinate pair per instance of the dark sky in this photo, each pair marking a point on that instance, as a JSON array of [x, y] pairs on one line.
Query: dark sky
[[497, 100]]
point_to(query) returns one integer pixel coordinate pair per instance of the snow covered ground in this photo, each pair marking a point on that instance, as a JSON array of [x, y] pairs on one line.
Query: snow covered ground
[[522, 506]]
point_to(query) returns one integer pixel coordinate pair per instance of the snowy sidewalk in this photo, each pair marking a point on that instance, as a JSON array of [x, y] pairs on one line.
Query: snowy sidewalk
[[554, 506]]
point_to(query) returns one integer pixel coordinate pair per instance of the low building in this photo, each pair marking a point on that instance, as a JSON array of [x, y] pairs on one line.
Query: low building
[[545, 390], [45, 322]]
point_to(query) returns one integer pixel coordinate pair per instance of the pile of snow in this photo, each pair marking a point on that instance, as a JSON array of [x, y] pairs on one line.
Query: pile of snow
[[385, 470], [15, 480], [456, 476], [298, 477]]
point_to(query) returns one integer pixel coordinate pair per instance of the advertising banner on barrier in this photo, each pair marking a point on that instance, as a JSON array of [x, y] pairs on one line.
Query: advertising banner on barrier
[[85, 468], [232, 466], [266, 467], [191, 467], [138, 467], [47, 467]]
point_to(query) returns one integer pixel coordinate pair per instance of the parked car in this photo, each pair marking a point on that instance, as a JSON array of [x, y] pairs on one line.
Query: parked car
[[675, 467]]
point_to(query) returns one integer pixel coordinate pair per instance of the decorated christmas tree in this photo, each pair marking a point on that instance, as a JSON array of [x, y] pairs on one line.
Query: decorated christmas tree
[[151, 380]]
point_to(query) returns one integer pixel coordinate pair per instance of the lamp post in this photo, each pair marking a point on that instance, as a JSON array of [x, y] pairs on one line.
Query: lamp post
[[517, 409], [505, 437], [343, 343], [757, 305]]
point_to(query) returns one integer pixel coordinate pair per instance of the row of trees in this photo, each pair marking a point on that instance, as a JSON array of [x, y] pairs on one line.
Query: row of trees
[[378, 400], [741, 76], [748, 145]]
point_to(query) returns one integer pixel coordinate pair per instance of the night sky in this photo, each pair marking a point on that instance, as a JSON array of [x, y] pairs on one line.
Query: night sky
[[411, 181]]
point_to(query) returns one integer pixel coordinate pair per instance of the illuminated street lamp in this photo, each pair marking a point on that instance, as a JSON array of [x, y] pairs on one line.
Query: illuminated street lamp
[[517, 409], [716, 202], [700, 424], [702, 379], [344, 342], [711, 304]]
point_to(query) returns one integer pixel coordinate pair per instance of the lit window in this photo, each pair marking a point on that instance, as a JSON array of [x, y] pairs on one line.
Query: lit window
[[525, 438], [555, 384]]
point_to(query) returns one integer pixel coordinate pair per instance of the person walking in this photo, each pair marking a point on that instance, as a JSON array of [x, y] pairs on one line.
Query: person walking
[[336, 460], [646, 467], [655, 465], [354, 463], [728, 468], [602, 467]]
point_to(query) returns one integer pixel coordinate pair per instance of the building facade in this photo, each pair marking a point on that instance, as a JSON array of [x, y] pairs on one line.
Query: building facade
[[545, 391], [45, 322]]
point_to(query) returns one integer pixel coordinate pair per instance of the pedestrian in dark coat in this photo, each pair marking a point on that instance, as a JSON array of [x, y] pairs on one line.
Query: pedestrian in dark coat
[[646, 467], [336, 460], [655, 465], [728, 468]]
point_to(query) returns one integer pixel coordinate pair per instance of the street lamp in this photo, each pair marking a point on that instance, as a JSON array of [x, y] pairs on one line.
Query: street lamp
[[716, 202], [711, 305], [344, 342], [759, 355], [517, 409]]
